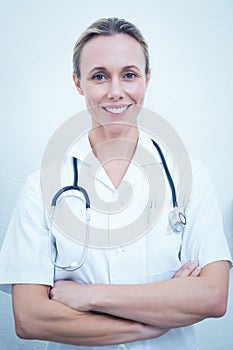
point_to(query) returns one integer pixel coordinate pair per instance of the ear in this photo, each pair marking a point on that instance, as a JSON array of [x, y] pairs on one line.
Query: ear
[[78, 84], [148, 78]]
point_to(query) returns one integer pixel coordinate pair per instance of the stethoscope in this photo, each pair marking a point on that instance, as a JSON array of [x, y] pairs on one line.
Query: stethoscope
[[177, 219]]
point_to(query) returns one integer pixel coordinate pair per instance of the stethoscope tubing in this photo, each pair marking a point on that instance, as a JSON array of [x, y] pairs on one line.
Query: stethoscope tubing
[[177, 219]]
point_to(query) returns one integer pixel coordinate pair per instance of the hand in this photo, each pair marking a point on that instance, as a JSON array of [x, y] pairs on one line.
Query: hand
[[190, 269], [72, 294], [150, 332]]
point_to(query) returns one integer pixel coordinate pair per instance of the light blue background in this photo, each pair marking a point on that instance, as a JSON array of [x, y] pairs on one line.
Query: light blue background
[[191, 58]]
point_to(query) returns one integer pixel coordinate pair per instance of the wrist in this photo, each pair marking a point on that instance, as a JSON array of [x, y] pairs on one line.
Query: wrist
[[150, 332], [96, 295]]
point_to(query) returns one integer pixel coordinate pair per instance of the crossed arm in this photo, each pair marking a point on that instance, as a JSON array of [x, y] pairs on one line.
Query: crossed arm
[[174, 303], [38, 317], [130, 312]]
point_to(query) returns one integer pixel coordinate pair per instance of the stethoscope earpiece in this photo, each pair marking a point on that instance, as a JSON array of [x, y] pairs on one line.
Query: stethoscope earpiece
[[74, 265]]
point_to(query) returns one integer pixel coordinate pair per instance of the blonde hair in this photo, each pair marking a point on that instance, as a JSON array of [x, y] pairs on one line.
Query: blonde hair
[[108, 27]]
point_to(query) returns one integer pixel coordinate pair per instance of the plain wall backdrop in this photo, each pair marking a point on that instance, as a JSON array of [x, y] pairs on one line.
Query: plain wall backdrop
[[191, 52]]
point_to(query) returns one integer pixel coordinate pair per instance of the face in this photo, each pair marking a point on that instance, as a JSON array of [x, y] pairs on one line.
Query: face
[[113, 80]]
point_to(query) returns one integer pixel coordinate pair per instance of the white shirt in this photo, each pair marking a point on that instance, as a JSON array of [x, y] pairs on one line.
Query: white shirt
[[151, 257]]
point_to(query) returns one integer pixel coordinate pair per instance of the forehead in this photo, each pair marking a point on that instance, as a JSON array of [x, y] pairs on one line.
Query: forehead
[[115, 50]]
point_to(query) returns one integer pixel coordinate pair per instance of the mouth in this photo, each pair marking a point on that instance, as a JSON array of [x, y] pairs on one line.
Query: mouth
[[116, 110]]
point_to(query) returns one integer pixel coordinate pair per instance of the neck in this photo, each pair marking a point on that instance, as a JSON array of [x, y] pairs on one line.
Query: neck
[[109, 146]]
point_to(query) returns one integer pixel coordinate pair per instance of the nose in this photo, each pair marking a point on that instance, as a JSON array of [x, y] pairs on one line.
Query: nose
[[115, 89]]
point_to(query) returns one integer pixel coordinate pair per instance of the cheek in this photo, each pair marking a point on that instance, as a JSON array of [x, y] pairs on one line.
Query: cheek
[[136, 91], [94, 94]]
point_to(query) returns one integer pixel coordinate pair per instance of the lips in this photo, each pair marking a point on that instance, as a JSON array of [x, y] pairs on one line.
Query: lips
[[116, 110]]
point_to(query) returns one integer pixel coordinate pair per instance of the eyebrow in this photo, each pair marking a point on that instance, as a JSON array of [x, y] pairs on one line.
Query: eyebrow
[[100, 68], [97, 68], [131, 66]]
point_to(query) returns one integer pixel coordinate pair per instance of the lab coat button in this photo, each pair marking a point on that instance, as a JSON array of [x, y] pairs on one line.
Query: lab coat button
[[121, 250], [121, 347]]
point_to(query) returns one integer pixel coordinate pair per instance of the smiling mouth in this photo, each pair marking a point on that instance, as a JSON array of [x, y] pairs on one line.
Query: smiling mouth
[[115, 110]]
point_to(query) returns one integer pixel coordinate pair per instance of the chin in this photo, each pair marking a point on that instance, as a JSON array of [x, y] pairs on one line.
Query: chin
[[116, 128]]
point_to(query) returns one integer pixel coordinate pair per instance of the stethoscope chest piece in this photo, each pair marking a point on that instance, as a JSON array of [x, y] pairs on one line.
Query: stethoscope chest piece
[[177, 220]]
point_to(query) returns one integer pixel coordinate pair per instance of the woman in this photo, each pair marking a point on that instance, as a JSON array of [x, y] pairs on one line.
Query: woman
[[143, 295]]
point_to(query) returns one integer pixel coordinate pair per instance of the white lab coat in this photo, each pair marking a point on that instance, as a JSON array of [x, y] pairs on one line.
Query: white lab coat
[[154, 256]]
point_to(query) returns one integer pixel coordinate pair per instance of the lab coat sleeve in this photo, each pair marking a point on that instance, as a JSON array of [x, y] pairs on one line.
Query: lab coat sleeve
[[24, 254], [203, 238]]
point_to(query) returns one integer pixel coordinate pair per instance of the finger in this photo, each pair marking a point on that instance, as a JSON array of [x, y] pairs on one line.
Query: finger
[[196, 272], [182, 269], [187, 269], [52, 293]]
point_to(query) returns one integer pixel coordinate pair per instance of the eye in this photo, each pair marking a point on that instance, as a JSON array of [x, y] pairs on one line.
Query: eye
[[130, 75], [99, 77]]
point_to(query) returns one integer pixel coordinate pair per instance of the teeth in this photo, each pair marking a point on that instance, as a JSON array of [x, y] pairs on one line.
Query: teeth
[[116, 110]]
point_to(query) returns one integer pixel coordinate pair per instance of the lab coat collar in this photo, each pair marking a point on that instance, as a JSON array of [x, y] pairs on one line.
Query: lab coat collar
[[82, 148]]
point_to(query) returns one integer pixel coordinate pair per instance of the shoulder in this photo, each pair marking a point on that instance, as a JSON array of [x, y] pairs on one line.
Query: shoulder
[[32, 184], [201, 178]]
